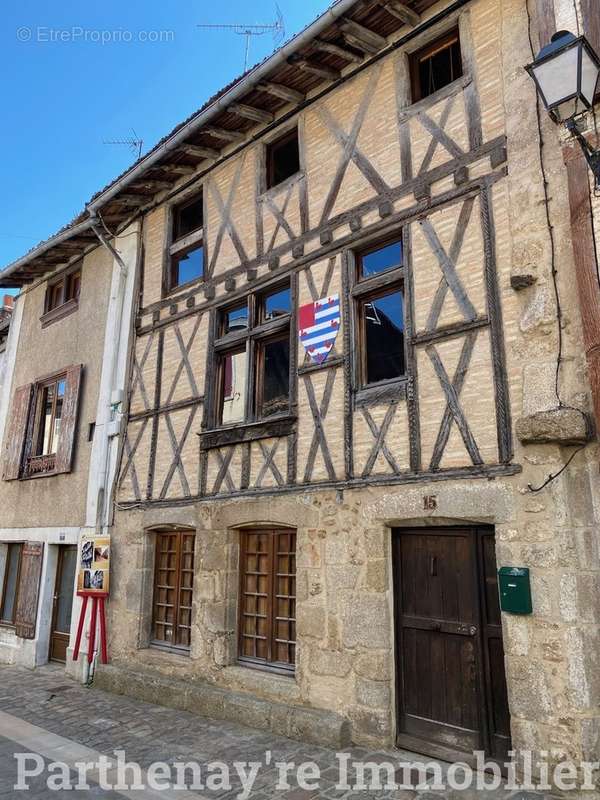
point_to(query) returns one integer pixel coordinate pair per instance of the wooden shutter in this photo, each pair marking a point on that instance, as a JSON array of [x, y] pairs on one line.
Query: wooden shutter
[[64, 452], [17, 429], [29, 589]]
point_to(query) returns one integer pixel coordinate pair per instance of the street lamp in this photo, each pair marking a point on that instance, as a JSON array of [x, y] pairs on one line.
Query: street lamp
[[566, 75]]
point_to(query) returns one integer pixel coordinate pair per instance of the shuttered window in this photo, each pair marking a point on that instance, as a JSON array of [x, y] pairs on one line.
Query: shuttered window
[[267, 608], [10, 584], [173, 590], [41, 435]]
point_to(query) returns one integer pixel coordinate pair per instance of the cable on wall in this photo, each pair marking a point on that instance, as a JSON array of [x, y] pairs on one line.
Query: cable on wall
[[559, 311]]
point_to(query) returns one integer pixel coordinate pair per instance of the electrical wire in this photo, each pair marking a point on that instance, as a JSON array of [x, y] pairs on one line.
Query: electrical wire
[[559, 314], [554, 476], [559, 311]]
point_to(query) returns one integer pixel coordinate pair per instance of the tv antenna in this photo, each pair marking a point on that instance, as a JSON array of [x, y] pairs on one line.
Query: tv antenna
[[134, 143], [277, 29]]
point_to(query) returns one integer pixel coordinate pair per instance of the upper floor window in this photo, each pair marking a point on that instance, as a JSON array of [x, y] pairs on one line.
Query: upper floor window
[[186, 252], [436, 65], [10, 583], [379, 304], [41, 434], [62, 295], [253, 358], [283, 158]]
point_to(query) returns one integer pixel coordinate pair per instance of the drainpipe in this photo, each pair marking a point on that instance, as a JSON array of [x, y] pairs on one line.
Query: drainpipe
[[586, 269], [109, 423]]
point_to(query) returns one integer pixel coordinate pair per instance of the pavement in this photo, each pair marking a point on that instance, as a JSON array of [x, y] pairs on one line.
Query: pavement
[[77, 740]]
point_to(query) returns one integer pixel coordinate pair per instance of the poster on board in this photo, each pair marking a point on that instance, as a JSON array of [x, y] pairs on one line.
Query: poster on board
[[94, 567]]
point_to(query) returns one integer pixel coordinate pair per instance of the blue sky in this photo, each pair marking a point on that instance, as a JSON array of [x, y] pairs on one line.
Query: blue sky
[[62, 99]]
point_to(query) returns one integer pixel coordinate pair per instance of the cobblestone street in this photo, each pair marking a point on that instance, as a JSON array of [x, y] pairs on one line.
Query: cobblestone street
[[46, 713]]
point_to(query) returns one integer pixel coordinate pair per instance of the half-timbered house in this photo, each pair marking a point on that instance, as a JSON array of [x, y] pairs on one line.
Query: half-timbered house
[[357, 356]]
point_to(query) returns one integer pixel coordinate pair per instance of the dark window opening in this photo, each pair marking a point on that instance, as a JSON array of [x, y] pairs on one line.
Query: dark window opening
[[436, 65], [173, 588], [382, 323], [283, 159], [381, 259], [188, 217], [267, 605], [10, 584], [274, 377]]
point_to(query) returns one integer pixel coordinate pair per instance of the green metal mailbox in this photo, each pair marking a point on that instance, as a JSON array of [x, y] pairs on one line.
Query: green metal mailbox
[[515, 590]]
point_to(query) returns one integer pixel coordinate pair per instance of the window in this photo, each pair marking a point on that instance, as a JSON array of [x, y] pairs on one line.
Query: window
[[254, 341], [173, 590], [10, 584], [186, 253], [436, 65], [51, 397], [267, 605], [62, 296], [379, 305], [41, 434], [283, 159]]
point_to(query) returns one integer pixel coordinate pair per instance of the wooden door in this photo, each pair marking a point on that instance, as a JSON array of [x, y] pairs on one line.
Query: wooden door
[[451, 684], [63, 602]]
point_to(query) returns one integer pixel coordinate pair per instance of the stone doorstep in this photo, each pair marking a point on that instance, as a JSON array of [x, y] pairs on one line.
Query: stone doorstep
[[310, 725]]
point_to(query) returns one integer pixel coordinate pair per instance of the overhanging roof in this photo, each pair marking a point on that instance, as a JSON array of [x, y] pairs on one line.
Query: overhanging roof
[[344, 37]]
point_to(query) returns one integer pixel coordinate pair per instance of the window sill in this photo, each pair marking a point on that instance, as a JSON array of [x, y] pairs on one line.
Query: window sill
[[170, 649], [59, 313], [172, 292], [269, 669], [273, 191], [381, 392], [248, 432], [442, 94], [39, 467]]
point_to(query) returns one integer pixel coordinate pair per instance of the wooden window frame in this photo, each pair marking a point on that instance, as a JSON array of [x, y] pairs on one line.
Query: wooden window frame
[[253, 662], [36, 464], [431, 48], [5, 623], [179, 247], [270, 149], [69, 298], [159, 643], [373, 287], [252, 339]]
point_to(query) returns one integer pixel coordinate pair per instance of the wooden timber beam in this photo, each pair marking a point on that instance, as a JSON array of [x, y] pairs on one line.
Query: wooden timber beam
[[320, 70], [281, 91], [336, 50], [402, 12], [252, 113], [359, 36], [152, 185], [178, 169], [133, 199], [199, 152], [222, 133]]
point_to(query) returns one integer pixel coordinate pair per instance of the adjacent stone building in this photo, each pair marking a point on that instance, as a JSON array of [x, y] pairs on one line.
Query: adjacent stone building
[[357, 357]]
